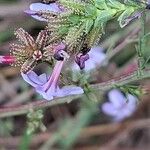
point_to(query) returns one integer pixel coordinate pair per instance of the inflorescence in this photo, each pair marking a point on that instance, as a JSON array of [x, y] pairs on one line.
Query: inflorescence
[[73, 28]]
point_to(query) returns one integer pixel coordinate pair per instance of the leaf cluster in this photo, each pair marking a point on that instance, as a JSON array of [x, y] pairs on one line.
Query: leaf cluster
[[82, 23]]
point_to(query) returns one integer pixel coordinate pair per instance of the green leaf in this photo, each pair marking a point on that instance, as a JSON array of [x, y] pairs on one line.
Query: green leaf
[[63, 30], [116, 4], [103, 17], [90, 11], [74, 19], [127, 13], [101, 4], [76, 6], [135, 3], [145, 39], [89, 24], [145, 48]]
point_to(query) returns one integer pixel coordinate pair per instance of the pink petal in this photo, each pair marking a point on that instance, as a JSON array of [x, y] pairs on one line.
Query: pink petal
[[7, 59]]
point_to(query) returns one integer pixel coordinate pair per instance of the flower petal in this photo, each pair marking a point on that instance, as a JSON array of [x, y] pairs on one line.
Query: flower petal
[[80, 59], [32, 78], [45, 95], [70, 90], [96, 55], [124, 112], [89, 65], [117, 98], [44, 7], [43, 78], [132, 102], [109, 109], [119, 117], [56, 92], [50, 93]]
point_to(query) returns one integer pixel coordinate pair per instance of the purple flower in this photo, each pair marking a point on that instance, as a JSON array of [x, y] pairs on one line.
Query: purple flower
[[89, 61], [80, 60], [119, 106], [35, 8], [48, 86]]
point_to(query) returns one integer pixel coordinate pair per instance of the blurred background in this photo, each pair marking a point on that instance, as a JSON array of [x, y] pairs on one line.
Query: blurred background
[[80, 124]]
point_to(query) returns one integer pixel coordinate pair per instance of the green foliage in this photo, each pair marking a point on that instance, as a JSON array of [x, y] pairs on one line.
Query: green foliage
[[4, 36], [89, 18], [74, 5], [74, 19], [25, 142], [126, 14], [132, 89], [8, 1], [145, 49], [35, 121], [101, 4], [116, 5], [6, 126], [75, 126]]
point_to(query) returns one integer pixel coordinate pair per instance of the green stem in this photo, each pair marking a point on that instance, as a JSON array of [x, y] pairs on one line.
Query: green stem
[[141, 46], [102, 87], [64, 137]]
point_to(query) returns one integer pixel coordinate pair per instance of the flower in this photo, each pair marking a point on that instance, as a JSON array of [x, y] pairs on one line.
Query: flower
[[90, 60], [120, 106], [36, 8], [65, 22], [80, 60], [48, 86], [30, 52]]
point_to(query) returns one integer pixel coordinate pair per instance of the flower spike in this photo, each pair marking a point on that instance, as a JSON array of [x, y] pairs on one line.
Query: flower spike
[[30, 52]]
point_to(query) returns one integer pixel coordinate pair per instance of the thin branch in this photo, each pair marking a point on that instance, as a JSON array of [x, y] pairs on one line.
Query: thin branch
[[102, 87], [141, 46]]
